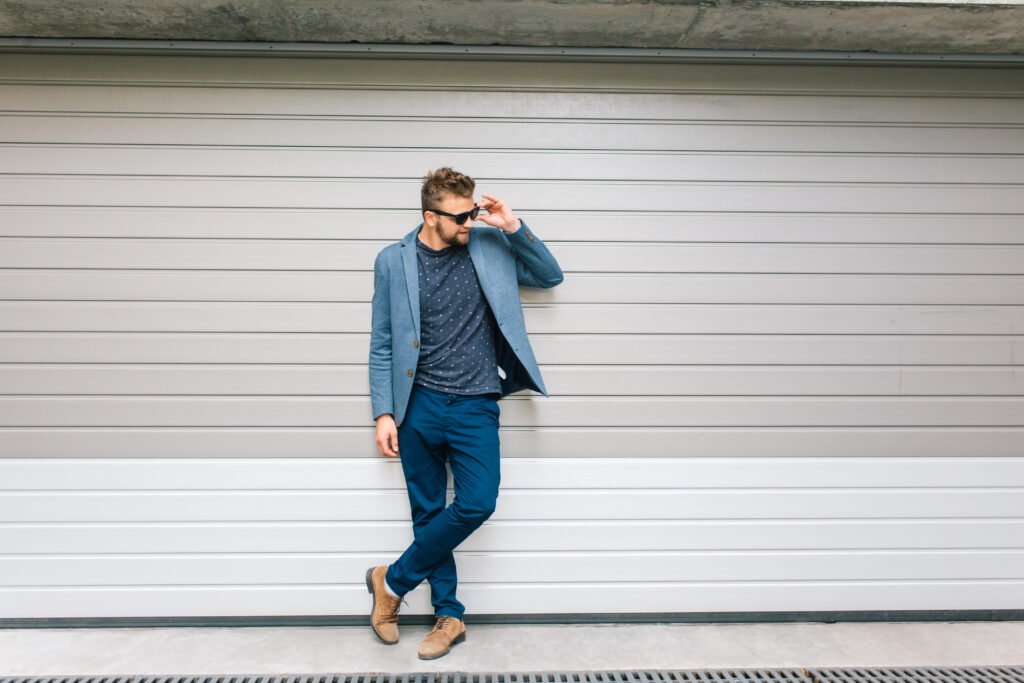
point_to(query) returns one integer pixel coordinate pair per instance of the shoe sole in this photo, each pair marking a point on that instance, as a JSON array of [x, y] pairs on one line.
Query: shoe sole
[[458, 639], [369, 588]]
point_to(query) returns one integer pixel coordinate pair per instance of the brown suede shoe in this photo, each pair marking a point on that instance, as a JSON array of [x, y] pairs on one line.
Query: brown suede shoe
[[384, 616], [447, 631]]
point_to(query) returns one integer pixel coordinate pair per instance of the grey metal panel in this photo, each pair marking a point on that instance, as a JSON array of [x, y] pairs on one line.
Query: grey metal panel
[[511, 134], [287, 379], [578, 225], [596, 257], [625, 166], [594, 287], [544, 318], [366, 474], [556, 411], [585, 349], [557, 75], [785, 362], [340, 102]]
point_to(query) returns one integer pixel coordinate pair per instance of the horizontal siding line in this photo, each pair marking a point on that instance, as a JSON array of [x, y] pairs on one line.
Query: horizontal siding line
[[165, 427], [188, 208], [539, 335], [179, 208], [575, 461], [568, 85], [560, 490], [521, 522], [508, 181], [545, 335], [490, 87], [633, 305], [667, 274], [553, 242], [564, 120], [705, 274], [774, 397], [387, 240], [521, 151], [675, 429], [598, 521], [548, 366], [601, 367], [289, 208], [636, 398], [541, 553], [647, 335], [538, 584]]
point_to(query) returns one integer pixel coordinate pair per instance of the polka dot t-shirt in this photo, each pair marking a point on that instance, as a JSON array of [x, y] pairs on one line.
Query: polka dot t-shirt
[[457, 336]]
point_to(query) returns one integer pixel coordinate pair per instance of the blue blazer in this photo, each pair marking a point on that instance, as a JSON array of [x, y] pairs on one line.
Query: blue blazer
[[502, 261]]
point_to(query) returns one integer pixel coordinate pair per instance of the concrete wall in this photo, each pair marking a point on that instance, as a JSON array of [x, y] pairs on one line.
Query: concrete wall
[[897, 27]]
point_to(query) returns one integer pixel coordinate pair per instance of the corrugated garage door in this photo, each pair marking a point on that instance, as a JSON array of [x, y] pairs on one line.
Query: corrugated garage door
[[785, 363]]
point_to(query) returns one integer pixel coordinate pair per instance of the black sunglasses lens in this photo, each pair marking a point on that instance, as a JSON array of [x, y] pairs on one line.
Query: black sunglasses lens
[[461, 217]]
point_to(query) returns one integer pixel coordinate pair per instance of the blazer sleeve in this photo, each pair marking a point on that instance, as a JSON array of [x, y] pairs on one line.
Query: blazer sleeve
[[381, 394], [536, 266]]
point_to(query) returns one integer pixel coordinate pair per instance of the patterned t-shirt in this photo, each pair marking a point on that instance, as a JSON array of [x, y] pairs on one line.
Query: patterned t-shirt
[[457, 336]]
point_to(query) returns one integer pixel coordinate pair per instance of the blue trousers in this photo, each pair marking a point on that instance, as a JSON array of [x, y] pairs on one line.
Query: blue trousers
[[462, 429]]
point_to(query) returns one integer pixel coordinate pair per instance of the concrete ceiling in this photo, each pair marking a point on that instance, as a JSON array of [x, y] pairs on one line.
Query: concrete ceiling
[[923, 27]]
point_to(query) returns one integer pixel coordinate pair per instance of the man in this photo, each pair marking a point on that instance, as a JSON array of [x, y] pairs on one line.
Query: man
[[447, 341]]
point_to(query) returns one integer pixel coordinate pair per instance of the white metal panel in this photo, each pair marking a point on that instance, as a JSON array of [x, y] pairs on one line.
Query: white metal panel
[[514, 567], [295, 473], [785, 363], [23, 539], [330, 599], [518, 442], [513, 505]]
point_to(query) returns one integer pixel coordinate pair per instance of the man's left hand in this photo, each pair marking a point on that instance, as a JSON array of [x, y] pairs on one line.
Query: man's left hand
[[498, 215]]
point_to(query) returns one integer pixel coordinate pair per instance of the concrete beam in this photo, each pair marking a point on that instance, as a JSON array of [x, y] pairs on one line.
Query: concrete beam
[[923, 27]]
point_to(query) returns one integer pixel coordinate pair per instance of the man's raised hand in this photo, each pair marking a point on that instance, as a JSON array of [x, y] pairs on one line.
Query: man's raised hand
[[499, 214]]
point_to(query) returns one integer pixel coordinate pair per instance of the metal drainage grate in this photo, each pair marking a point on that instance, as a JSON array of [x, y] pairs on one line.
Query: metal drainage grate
[[969, 674]]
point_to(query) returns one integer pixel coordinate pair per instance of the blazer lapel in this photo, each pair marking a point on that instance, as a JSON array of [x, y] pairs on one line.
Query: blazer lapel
[[412, 276], [479, 258], [480, 266]]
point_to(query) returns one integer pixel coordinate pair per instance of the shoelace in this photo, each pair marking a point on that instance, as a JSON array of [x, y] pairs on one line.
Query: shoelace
[[441, 623], [392, 616]]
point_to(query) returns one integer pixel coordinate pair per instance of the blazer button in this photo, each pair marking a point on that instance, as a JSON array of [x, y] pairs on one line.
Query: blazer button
[[415, 343], [409, 372]]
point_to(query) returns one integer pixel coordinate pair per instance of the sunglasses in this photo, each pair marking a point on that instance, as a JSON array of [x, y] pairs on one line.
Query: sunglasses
[[460, 218]]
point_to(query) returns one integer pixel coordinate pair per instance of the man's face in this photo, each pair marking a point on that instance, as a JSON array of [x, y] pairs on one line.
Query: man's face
[[447, 230]]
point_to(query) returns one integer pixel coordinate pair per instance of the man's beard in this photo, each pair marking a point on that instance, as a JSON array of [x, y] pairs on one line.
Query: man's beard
[[454, 241]]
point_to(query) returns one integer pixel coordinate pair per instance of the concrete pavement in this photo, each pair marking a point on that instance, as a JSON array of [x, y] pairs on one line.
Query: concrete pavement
[[488, 647]]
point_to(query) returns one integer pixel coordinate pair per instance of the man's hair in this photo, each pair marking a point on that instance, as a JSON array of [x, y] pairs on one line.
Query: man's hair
[[444, 181]]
